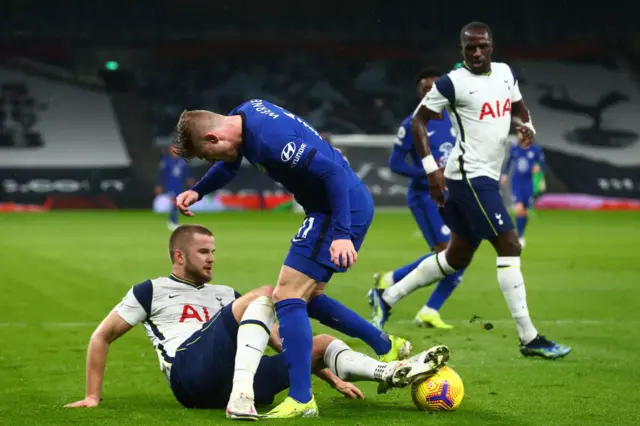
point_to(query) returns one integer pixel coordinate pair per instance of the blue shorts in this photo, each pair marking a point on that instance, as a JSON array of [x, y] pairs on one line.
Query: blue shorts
[[202, 370], [309, 251], [475, 210], [427, 216], [522, 193]]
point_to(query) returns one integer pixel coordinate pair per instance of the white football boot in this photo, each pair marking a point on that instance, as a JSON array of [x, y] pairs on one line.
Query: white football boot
[[399, 374]]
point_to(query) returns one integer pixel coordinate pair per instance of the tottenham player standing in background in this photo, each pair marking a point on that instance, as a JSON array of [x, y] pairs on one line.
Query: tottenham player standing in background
[[482, 98], [526, 163], [405, 161]]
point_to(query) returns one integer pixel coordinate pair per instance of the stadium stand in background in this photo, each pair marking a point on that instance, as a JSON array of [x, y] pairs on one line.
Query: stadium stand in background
[[74, 133]]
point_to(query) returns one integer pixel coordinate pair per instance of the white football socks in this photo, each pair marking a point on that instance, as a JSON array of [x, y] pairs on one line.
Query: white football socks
[[350, 365], [432, 269], [512, 286], [253, 337]]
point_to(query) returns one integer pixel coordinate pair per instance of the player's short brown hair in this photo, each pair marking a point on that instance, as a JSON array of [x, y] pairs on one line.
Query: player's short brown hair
[[182, 235], [182, 144]]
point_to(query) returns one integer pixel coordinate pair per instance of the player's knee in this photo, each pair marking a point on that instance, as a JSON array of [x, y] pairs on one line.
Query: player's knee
[[520, 209], [320, 344], [440, 247], [293, 285], [459, 259], [265, 290], [510, 248]]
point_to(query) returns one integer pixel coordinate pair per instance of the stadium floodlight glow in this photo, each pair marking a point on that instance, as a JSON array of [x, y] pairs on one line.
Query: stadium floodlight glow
[[111, 65]]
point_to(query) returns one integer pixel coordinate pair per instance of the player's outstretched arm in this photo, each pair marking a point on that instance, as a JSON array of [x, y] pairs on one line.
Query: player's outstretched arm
[[219, 175], [399, 165], [110, 329]]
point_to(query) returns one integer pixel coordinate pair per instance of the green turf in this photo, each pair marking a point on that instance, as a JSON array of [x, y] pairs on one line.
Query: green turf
[[63, 272]]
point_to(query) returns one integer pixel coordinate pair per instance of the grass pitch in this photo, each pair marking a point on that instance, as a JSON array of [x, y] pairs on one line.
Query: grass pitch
[[63, 272]]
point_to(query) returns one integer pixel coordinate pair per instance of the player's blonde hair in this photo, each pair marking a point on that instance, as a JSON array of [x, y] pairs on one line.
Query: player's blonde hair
[[186, 127], [182, 235]]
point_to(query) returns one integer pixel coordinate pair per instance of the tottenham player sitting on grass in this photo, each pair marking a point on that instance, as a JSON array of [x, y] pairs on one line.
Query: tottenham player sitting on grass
[[339, 211], [526, 163], [481, 98], [210, 340], [405, 161]]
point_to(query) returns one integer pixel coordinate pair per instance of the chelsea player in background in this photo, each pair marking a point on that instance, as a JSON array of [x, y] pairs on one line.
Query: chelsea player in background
[[405, 161], [526, 163], [174, 173], [339, 211]]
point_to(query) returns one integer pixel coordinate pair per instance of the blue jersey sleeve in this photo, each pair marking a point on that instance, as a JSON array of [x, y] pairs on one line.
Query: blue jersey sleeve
[[401, 148], [219, 175]]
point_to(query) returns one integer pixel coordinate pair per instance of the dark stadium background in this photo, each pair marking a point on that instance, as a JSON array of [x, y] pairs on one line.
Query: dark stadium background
[[71, 69]]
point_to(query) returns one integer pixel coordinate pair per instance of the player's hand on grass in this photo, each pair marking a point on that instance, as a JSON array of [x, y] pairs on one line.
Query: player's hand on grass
[[343, 253], [185, 200], [525, 136], [88, 402], [349, 390], [436, 186]]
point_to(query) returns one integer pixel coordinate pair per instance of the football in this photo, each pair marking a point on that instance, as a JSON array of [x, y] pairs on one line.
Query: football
[[442, 392]]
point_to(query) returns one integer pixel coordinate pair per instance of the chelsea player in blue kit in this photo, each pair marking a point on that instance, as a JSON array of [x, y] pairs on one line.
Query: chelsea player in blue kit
[[526, 162], [424, 209], [339, 211], [173, 175]]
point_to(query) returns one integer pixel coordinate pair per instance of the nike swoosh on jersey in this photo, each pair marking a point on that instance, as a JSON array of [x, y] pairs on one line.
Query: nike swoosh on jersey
[[171, 296], [431, 133]]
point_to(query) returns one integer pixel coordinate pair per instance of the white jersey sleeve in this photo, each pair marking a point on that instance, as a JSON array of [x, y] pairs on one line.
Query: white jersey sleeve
[[435, 100], [131, 310]]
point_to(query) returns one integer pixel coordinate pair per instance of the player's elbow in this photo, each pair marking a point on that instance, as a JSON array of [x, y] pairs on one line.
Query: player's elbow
[[100, 337]]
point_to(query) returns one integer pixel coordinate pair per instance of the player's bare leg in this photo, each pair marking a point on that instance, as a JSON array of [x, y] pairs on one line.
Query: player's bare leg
[[522, 216], [255, 316], [512, 285]]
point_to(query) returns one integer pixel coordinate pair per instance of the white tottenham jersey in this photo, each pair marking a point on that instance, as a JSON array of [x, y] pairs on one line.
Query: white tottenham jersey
[[480, 110], [172, 310]]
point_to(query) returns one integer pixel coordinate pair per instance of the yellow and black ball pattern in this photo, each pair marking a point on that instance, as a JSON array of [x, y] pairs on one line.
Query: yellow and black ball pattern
[[442, 392]]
